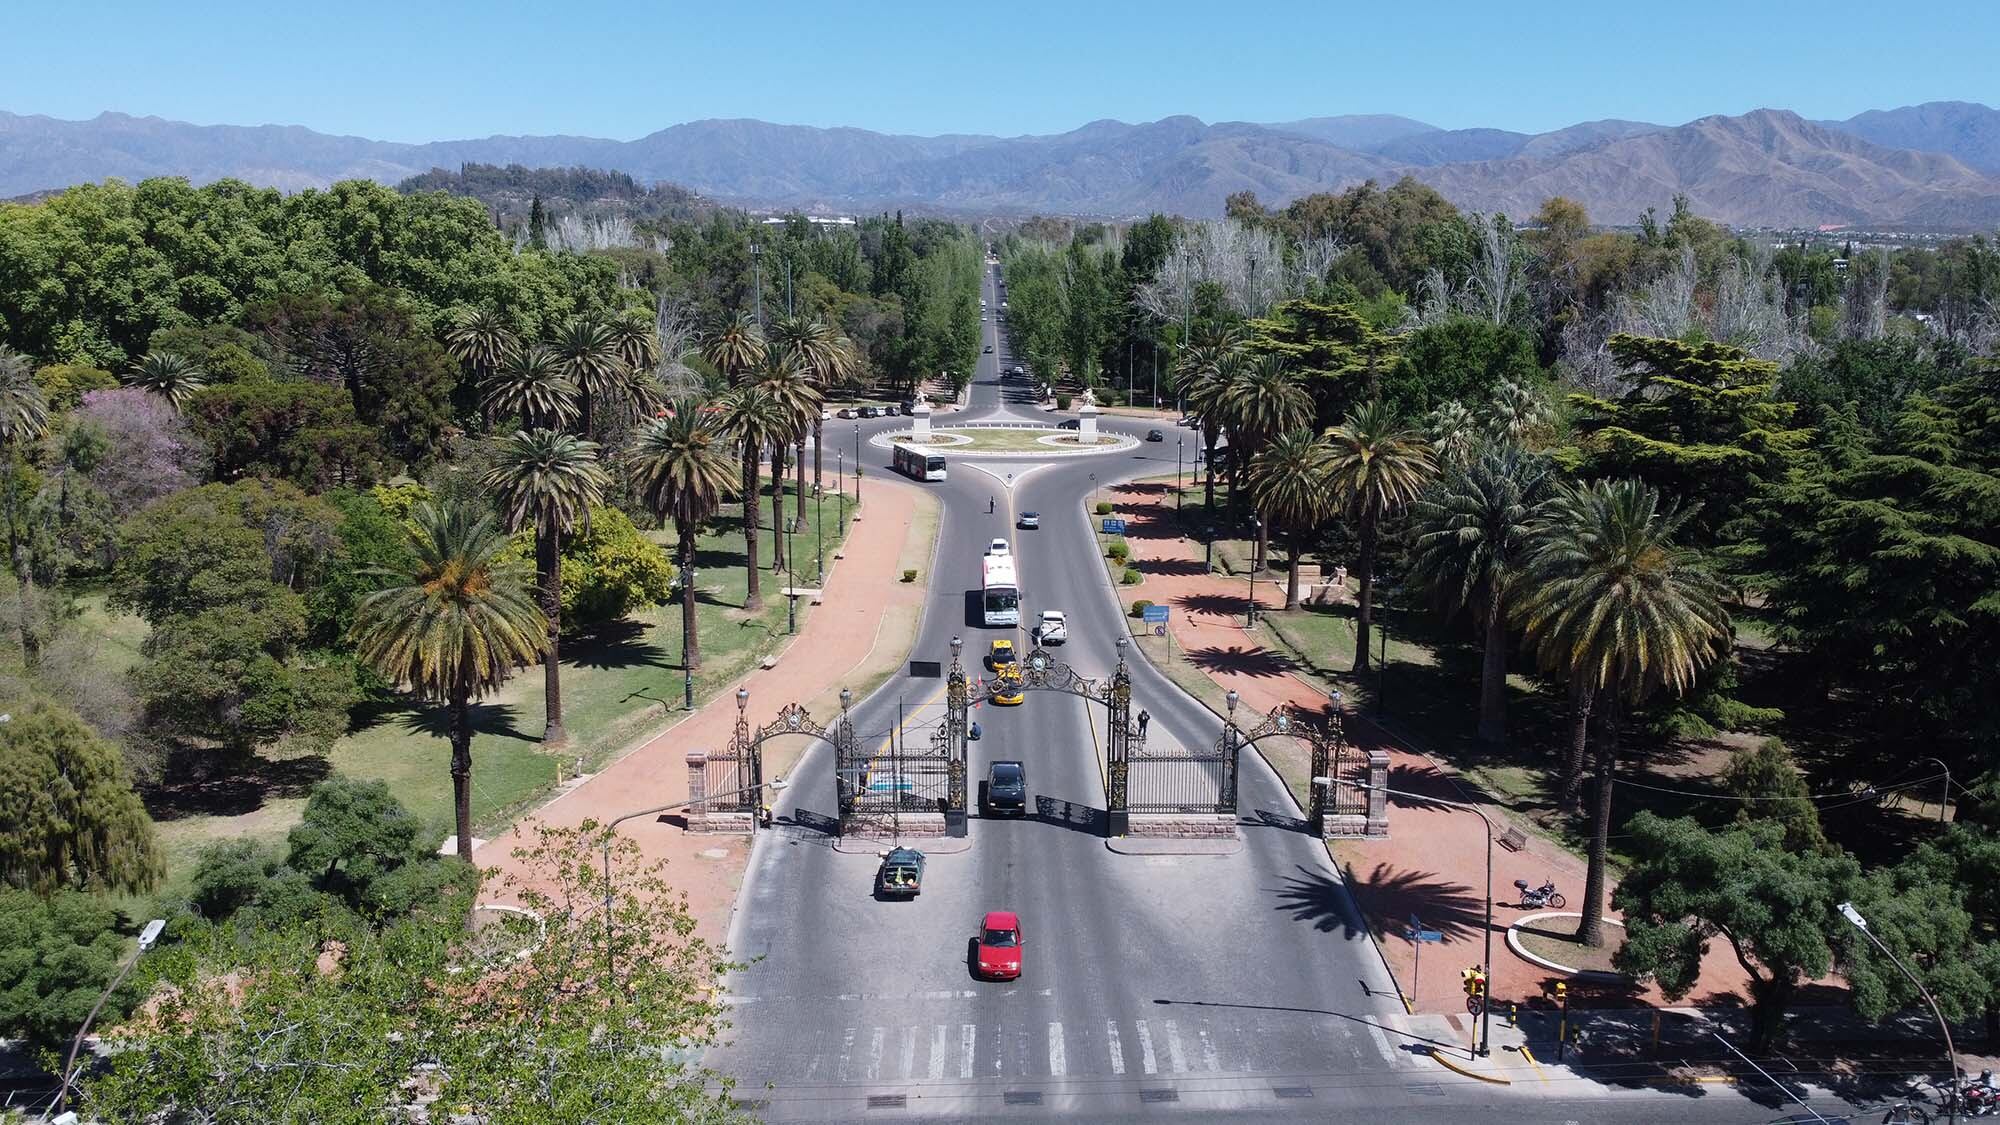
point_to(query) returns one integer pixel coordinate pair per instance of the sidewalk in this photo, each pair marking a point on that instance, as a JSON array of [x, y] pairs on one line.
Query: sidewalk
[[1433, 863], [862, 629]]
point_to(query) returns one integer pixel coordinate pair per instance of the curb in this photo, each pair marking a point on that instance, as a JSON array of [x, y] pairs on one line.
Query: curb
[[1448, 1064], [1514, 945], [875, 845], [1141, 845]]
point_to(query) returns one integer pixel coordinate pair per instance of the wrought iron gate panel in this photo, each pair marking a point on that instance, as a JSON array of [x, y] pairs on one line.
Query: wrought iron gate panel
[[736, 775]]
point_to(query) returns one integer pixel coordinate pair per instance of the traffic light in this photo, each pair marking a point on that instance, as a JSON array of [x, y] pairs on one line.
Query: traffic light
[[1474, 980]]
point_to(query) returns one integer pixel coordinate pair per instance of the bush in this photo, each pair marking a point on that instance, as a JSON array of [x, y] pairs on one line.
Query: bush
[[1140, 607], [909, 576], [1104, 507], [1119, 551], [1062, 402], [1130, 577]]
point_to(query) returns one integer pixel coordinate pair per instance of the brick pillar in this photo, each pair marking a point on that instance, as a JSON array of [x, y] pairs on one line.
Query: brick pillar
[[1378, 798], [697, 784]]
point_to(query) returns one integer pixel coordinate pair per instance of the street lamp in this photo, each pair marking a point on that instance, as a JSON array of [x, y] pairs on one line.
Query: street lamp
[[757, 274], [1250, 611], [1486, 1005], [1208, 550], [1180, 447], [840, 485], [687, 591], [1848, 912], [1944, 804], [147, 937]]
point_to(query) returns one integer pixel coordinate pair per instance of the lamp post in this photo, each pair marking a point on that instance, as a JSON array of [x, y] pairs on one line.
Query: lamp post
[[687, 666], [791, 586], [1208, 550], [819, 536], [147, 936], [1944, 803], [1180, 447], [1486, 1007], [1848, 912], [757, 276], [840, 486], [611, 829], [1250, 611]]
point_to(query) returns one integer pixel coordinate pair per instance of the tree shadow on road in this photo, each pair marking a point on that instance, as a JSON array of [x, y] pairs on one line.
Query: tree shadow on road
[[1311, 896], [1389, 896]]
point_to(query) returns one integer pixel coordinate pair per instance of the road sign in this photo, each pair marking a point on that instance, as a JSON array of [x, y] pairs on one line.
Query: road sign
[[1113, 526], [1429, 935], [1155, 613]]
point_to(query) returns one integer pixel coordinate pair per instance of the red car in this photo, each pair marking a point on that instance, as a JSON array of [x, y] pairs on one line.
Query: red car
[[999, 954]]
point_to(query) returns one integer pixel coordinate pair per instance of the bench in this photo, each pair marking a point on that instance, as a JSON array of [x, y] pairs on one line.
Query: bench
[[1513, 839]]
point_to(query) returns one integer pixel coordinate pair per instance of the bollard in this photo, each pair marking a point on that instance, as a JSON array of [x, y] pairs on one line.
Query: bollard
[[1513, 1014], [1562, 1026]]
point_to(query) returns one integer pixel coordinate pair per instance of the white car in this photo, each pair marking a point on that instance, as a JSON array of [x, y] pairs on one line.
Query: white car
[[1054, 628], [998, 547]]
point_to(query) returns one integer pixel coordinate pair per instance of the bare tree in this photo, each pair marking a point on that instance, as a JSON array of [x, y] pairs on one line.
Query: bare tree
[[1497, 276], [1749, 309], [677, 325], [1666, 307]]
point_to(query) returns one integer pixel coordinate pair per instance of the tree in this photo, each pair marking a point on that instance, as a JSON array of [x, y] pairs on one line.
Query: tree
[[168, 375], [755, 419], [1473, 530], [824, 355], [1289, 480], [301, 431], [548, 481], [1614, 604], [1771, 789], [24, 418], [453, 626], [1938, 912], [1773, 906], [587, 351], [358, 843], [610, 569], [481, 339], [1265, 399], [64, 384], [1378, 466], [1333, 347], [681, 466], [1461, 358], [529, 382], [790, 386], [155, 452], [1203, 374], [57, 952], [736, 347], [68, 814]]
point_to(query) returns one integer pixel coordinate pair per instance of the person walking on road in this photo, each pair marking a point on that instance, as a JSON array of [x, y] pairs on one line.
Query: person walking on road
[[1144, 719], [989, 505]]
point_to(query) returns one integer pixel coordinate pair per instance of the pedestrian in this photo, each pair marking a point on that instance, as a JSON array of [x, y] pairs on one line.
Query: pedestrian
[[989, 505], [1144, 719]]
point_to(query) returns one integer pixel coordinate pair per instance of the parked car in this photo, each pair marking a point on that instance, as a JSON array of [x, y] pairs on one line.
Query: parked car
[[1053, 629], [1155, 435], [1068, 424], [901, 874], [998, 955], [1006, 789], [848, 412], [908, 405], [1029, 521], [870, 412]]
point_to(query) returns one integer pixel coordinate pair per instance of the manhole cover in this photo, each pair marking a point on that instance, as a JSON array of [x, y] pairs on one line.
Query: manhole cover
[[888, 1101], [1159, 1095], [715, 853], [1293, 1091], [1022, 1097]]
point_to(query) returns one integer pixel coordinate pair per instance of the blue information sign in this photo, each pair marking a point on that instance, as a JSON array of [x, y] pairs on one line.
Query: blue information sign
[[1155, 614], [1113, 526]]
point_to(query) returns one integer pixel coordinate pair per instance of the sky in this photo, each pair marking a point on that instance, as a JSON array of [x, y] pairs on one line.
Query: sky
[[418, 70]]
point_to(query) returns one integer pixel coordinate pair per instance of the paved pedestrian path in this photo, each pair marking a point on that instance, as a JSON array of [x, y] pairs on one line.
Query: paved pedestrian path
[[866, 611]]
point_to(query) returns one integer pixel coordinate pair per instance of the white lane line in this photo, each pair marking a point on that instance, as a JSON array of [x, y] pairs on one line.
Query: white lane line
[[1175, 1058], [1117, 1048], [812, 1067], [875, 1054], [846, 1052], [1056, 1050], [1146, 1059], [909, 1052], [1208, 1059], [968, 1040], [938, 1048], [1389, 1054]]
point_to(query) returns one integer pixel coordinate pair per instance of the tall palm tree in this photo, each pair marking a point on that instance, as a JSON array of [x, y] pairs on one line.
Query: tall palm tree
[[1614, 602], [1379, 465], [791, 387], [548, 480], [529, 382], [453, 625], [171, 376], [480, 339], [637, 339], [753, 418], [587, 349], [24, 418], [1203, 379], [681, 464], [1454, 433], [1266, 399], [818, 348], [1474, 528], [735, 348], [1289, 480]]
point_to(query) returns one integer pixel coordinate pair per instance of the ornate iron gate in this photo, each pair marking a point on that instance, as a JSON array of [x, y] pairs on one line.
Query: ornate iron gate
[[735, 777]]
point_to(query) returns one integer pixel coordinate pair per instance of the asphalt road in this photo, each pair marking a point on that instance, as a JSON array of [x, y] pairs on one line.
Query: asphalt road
[[1207, 987]]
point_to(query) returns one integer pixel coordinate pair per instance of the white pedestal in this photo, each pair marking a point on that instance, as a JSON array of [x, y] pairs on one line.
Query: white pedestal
[[920, 420], [1086, 424]]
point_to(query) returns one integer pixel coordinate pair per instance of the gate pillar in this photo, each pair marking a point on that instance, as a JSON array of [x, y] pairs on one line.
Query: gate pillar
[[1378, 793], [956, 722], [1117, 764]]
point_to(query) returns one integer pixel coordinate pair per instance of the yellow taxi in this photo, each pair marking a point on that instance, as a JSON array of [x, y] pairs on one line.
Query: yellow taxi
[[1007, 690], [1000, 654]]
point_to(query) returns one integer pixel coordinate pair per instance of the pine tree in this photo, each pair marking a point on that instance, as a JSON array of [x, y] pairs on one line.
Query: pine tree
[[538, 225]]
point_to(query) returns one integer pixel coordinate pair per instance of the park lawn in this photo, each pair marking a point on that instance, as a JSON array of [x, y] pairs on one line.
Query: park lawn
[[620, 687], [1000, 440]]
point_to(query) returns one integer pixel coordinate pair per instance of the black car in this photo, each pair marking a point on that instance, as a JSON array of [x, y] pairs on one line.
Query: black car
[[901, 874], [1006, 790], [1155, 435], [870, 412], [1067, 424]]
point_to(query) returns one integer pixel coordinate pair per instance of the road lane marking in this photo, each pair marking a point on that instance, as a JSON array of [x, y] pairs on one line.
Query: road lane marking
[[846, 1053], [909, 1052], [968, 1040], [1175, 1059], [1117, 1048], [875, 1055], [1146, 1057], [812, 1067], [1208, 1060], [1056, 1050], [1389, 1054]]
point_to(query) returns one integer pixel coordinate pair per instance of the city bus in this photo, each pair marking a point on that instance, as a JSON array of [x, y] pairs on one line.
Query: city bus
[[1002, 600], [917, 464]]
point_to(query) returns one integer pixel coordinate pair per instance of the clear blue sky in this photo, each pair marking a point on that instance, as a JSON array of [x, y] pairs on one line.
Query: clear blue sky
[[416, 70]]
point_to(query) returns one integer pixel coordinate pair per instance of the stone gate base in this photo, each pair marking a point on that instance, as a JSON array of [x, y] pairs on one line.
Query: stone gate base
[[910, 825], [1374, 823], [1181, 826], [715, 823]]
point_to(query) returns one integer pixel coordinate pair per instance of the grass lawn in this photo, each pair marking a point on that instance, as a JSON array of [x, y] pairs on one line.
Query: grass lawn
[[999, 439], [620, 685]]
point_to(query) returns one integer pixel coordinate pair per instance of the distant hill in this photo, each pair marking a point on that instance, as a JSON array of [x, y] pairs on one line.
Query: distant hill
[[1966, 130], [1766, 168], [510, 191]]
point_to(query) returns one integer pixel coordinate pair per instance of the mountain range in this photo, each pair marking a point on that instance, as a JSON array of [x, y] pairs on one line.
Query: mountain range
[[1931, 166]]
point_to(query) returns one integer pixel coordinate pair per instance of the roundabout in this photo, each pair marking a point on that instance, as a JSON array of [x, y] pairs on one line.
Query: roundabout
[[1003, 440]]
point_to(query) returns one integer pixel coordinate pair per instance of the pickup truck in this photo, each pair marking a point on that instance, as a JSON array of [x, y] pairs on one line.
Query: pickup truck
[[1053, 628], [902, 873]]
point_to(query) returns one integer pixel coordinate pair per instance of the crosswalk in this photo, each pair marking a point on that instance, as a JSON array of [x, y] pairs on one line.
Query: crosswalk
[[1164, 1046]]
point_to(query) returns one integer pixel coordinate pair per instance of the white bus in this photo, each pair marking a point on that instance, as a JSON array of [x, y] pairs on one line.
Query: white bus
[[917, 464], [1002, 600]]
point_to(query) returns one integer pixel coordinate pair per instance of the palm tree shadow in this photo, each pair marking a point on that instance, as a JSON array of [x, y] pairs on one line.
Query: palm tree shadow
[[616, 644], [1259, 662], [1213, 605], [495, 720], [1389, 897]]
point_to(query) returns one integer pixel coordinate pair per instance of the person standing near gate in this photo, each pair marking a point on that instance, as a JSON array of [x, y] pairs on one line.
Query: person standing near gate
[[1144, 719]]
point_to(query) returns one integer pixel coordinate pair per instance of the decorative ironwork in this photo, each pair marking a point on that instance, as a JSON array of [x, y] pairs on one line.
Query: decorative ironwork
[[736, 775]]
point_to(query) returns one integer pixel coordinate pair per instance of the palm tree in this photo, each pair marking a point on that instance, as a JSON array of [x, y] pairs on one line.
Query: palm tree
[[453, 625], [1289, 480], [736, 347], [1204, 382], [1265, 399], [480, 339], [548, 480], [172, 377], [790, 386], [1378, 466], [24, 418], [1454, 433], [529, 382], [1613, 602], [819, 350], [1473, 531], [637, 340], [681, 464], [753, 418], [588, 351], [1518, 413]]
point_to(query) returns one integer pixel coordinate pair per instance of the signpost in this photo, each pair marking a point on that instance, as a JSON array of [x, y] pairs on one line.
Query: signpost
[[1156, 616], [1113, 526], [1419, 937]]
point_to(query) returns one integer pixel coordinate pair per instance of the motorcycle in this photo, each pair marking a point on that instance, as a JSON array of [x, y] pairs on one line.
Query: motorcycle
[[1536, 897]]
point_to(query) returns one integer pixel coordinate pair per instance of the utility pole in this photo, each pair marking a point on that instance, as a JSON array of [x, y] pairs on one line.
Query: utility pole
[[757, 279]]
